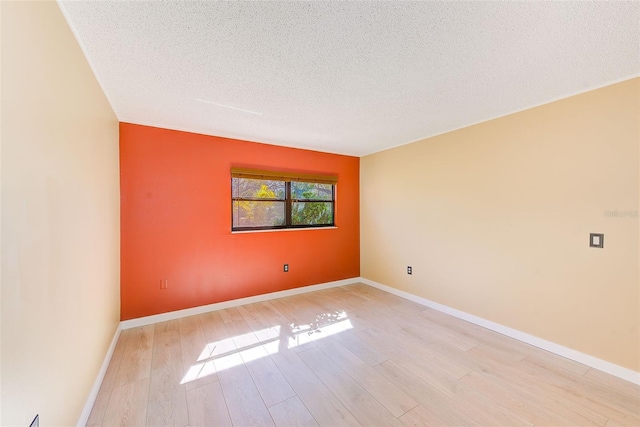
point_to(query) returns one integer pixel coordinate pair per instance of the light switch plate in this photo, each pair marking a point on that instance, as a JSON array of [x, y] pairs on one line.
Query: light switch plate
[[596, 240]]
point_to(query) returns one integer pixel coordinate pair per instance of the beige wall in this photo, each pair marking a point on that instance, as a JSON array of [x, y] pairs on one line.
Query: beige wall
[[495, 220], [60, 219]]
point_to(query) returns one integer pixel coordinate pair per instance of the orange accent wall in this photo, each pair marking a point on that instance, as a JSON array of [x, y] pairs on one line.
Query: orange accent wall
[[176, 223]]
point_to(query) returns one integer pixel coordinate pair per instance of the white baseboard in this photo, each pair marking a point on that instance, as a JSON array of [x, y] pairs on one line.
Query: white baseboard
[[591, 361], [585, 359], [163, 317], [148, 320], [86, 410]]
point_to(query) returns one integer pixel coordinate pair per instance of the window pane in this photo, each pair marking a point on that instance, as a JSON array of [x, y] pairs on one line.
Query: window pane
[[257, 189], [312, 213], [258, 214], [311, 191]]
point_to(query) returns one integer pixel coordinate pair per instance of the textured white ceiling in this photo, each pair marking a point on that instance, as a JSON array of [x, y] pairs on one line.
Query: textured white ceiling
[[347, 77]]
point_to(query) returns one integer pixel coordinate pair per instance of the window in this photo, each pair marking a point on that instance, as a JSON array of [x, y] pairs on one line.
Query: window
[[264, 200]]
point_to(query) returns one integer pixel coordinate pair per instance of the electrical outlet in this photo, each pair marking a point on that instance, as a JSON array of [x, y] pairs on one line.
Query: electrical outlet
[[164, 284], [286, 268], [409, 270]]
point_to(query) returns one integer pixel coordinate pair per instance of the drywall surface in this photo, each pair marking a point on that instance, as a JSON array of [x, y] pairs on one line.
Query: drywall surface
[[176, 223], [60, 219], [495, 221]]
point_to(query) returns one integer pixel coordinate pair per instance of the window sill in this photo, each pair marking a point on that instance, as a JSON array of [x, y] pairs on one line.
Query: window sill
[[284, 229]]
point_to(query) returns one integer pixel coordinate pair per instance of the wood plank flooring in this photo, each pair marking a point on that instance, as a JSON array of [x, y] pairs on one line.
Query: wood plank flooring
[[352, 355]]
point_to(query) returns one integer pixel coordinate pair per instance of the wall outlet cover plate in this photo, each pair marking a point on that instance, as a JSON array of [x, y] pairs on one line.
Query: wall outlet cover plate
[[596, 240]]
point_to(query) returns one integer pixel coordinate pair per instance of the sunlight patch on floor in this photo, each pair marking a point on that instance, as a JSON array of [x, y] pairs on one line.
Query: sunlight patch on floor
[[223, 354]]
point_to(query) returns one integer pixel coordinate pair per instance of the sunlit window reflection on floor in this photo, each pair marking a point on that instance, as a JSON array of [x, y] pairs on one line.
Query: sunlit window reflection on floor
[[224, 354]]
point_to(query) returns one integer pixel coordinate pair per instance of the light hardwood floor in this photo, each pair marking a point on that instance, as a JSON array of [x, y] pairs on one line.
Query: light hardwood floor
[[352, 355]]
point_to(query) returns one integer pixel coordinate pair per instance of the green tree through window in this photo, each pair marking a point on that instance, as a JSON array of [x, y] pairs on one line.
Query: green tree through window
[[311, 203], [270, 204]]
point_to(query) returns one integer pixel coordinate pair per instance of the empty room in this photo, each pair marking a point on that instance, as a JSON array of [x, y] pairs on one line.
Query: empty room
[[320, 213]]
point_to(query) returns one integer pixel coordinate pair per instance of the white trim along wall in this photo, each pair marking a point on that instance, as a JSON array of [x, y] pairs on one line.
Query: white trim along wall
[[593, 362], [585, 359]]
